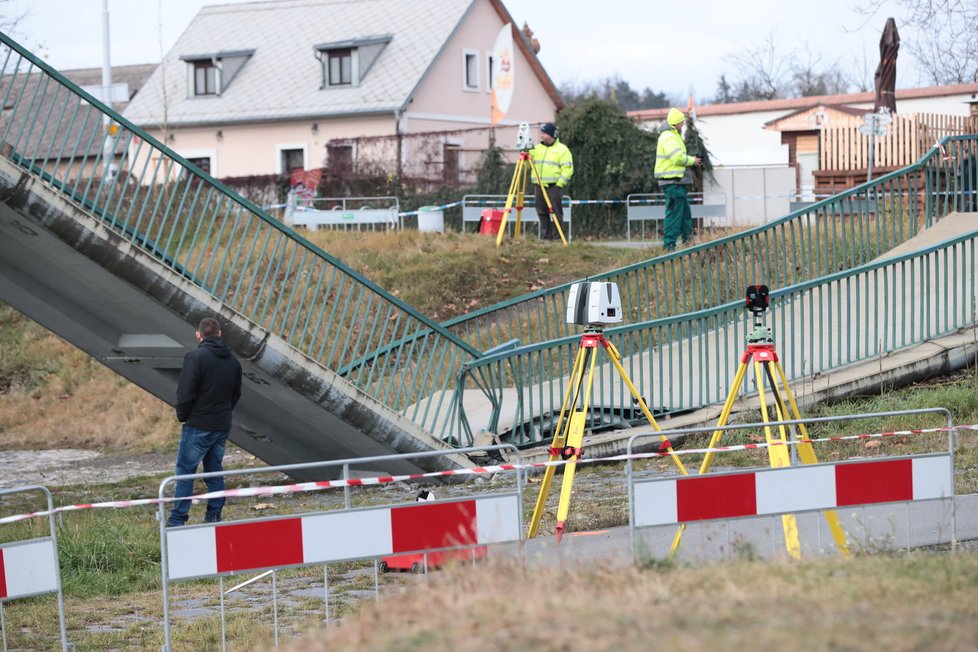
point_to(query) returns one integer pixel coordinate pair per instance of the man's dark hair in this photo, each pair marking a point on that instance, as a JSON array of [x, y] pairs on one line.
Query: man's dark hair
[[209, 327]]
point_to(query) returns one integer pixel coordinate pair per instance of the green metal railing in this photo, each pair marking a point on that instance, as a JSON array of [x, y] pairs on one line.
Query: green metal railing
[[223, 243], [432, 373], [689, 361], [838, 233]]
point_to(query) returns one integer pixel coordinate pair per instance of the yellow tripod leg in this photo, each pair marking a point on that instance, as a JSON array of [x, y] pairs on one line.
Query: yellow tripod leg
[[724, 416], [806, 453], [513, 185], [616, 360], [778, 456], [546, 199], [575, 438], [520, 196], [560, 437], [714, 440]]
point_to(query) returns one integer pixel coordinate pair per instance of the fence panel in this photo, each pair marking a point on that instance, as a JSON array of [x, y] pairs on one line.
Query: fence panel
[[321, 538], [32, 567]]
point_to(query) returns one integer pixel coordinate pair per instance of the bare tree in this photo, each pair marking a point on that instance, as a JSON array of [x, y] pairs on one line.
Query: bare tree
[[9, 19], [811, 77], [768, 72], [764, 74], [945, 43]]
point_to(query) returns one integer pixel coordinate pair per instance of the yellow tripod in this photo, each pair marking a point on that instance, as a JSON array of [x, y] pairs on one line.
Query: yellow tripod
[[760, 351], [517, 191], [569, 434]]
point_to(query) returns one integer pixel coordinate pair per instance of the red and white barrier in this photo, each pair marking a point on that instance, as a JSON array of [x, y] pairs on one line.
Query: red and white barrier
[[28, 568], [793, 489], [202, 551], [479, 470]]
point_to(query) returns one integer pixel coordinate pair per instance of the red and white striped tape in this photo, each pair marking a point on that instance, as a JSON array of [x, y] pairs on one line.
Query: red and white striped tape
[[479, 470], [207, 550], [28, 568], [791, 489]]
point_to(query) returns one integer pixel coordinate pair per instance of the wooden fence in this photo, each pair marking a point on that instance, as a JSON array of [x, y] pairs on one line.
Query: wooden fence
[[843, 148]]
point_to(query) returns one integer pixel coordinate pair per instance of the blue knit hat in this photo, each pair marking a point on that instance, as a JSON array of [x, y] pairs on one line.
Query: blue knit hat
[[550, 129]]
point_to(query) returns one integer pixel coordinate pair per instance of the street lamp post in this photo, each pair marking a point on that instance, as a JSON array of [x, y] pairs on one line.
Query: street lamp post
[[108, 142]]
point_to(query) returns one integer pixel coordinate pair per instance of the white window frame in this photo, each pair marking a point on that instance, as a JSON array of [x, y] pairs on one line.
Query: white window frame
[[281, 148], [192, 78], [202, 153], [354, 67], [475, 86], [490, 60]]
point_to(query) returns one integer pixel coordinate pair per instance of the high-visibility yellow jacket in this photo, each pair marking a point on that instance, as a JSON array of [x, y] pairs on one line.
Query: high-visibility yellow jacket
[[554, 163], [671, 161]]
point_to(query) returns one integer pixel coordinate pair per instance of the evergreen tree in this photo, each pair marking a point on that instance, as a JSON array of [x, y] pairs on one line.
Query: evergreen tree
[[613, 157]]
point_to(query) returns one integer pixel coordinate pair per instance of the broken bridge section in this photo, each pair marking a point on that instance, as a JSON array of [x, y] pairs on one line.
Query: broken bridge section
[[134, 313]]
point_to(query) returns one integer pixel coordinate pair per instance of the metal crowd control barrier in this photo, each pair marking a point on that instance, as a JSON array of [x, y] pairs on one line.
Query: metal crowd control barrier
[[673, 501], [473, 205], [710, 208], [31, 567], [342, 212], [308, 539]]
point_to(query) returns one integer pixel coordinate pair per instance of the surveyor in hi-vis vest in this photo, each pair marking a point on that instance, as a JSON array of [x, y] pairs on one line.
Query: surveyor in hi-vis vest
[[555, 164], [672, 172]]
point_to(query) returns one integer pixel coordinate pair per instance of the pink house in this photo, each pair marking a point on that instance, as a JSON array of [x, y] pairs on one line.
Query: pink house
[[268, 87]]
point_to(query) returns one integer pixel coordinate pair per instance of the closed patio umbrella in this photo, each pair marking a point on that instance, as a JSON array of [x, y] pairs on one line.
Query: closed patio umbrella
[[885, 76]]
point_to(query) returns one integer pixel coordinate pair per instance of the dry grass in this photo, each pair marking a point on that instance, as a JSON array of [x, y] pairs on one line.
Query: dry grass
[[53, 395], [446, 275], [920, 602]]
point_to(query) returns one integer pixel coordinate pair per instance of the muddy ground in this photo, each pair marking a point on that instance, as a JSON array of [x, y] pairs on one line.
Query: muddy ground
[[73, 466]]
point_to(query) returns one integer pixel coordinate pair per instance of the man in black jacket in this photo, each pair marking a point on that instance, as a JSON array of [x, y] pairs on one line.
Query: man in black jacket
[[208, 389]]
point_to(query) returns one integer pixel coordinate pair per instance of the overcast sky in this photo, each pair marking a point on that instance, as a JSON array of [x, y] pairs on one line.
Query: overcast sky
[[672, 47]]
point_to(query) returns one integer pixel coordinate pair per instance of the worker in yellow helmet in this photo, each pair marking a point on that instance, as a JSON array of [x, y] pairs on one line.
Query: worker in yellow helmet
[[673, 174], [554, 162]]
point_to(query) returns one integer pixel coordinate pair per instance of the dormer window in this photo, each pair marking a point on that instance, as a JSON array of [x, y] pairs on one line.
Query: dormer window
[[205, 78], [340, 67], [346, 63], [211, 74]]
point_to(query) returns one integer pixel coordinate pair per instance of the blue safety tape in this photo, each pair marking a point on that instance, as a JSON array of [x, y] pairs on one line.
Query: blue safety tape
[[431, 208]]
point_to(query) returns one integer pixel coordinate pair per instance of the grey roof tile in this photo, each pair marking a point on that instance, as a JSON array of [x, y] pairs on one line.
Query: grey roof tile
[[282, 79]]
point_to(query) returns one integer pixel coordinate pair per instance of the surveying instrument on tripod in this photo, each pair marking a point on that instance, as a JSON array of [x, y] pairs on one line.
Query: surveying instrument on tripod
[[517, 187], [767, 368], [592, 305]]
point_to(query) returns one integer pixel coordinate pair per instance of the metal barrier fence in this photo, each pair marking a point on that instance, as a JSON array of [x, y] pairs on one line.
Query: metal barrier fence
[[343, 212], [823, 237], [687, 362], [169, 209], [667, 503], [32, 567], [473, 205], [708, 210], [308, 539]]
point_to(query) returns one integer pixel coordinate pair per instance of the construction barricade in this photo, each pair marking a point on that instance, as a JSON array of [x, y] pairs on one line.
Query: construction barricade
[[31, 567], [475, 208], [429, 529], [733, 497]]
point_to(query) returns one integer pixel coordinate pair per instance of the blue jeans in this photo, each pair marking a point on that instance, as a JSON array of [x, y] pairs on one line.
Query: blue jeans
[[198, 446]]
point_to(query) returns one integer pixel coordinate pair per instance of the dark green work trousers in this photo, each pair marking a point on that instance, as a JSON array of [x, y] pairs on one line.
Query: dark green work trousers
[[679, 218]]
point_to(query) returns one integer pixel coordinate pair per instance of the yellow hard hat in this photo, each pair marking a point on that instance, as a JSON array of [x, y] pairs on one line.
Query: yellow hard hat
[[675, 116]]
